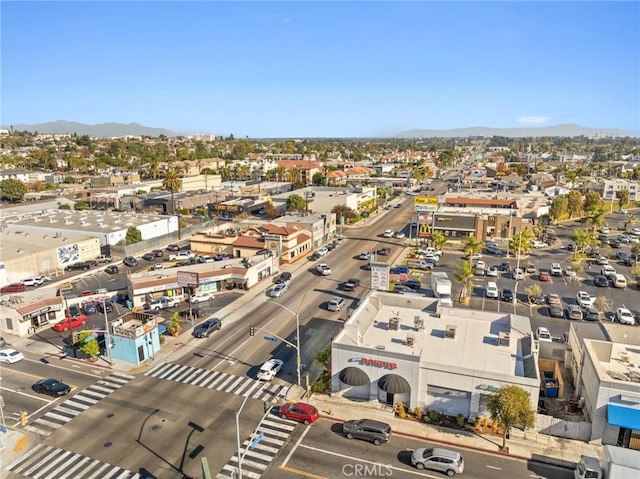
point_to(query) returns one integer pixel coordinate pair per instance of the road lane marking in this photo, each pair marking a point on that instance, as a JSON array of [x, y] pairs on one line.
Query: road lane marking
[[295, 446], [494, 467], [302, 473]]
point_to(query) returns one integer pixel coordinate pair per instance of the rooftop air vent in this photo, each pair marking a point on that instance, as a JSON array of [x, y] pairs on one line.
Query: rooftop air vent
[[503, 339], [380, 347], [418, 323], [411, 339], [450, 331], [394, 323]]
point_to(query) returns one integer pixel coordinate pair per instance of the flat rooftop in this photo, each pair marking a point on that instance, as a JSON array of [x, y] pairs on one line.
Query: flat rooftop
[[455, 337], [15, 244], [615, 360]]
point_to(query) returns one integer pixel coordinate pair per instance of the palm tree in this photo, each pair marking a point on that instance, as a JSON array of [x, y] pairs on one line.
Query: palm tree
[[464, 275], [438, 240], [471, 245], [596, 218], [173, 182]]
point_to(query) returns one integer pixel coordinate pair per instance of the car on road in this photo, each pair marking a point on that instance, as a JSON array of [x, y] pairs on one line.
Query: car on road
[[388, 234], [300, 412], [601, 281], [624, 316], [10, 356], [336, 304], [493, 250], [112, 269], [339, 240], [601, 261], [323, 269], [51, 387], [278, 290], [351, 284], [492, 271], [82, 266], [163, 302], [399, 235], [473, 256], [556, 311], [204, 330], [364, 255], [539, 244], [412, 283], [530, 269], [282, 277], [149, 257], [429, 257], [201, 297], [130, 261], [438, 459], [384, 251], [173, 247], [604, 230], [269, 370], [70, 322], [13, 288], [543, 335], [584, 299], [556, 269], [544, 276], [158, 252], [574, 312], [370, 430], [507, 295]]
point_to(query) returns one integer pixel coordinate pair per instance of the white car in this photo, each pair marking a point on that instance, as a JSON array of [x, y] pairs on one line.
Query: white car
[[430, 257], [474, 256], [539, 244], [200, 297], [163, 303], [556, 269], [569, 271], [10, 356], [44, 278], [388, 234], [624, 316], [543, 335], [635, 231], [269, 369], [604, 230], [182, 255], [364, 255], [584, 299], [322, 251], [323, 269], [278, 290], [205, 258], [517, 274], [634, 239], [492, 272], [32, 281], [399, 235]]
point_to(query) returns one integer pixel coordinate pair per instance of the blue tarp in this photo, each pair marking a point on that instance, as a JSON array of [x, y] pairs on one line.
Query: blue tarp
[[623, 414]]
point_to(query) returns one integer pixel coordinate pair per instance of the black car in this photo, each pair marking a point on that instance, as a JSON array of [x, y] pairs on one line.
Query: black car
[[90, 307], [195, 313], [112, 269], [74, 311], [85, 265], [622, 255], [629, 262], [571, 247], [105, 305], [52, 387], [384, 251], [158, 252], [351, 284], [366, 266], [203, 330], [220, 257], [536, 299], [149, 256], [507, 295], [173, 247], [130, 261], [616, 244], [282, 278], [315, 257], [504, 266], [412, 283], [601, 281]]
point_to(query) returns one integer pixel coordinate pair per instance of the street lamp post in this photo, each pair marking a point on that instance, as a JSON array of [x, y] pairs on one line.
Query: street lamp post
[[240, 455], [298, 362], [107, 343]]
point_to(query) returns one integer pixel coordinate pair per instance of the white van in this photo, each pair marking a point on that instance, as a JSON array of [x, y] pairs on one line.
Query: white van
[[620, 281], [492, 290]]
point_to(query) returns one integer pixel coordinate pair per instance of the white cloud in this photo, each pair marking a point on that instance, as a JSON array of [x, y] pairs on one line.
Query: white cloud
[[534, 119]]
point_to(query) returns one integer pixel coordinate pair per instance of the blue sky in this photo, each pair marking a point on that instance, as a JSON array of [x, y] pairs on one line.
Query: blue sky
[[322, 69]]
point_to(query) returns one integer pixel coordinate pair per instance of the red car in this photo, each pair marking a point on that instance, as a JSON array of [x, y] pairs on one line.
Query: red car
[[69, 323], [545, 277], [300, 411], [13, 288]]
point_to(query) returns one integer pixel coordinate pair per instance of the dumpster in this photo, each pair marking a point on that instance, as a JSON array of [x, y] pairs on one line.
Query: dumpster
[[551, 386]]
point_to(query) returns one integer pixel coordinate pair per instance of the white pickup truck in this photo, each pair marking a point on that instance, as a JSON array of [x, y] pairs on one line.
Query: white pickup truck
[[163, 303], [323, 269]]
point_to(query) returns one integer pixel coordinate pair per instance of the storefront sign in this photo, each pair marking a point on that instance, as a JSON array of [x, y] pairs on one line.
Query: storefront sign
[[46, 309], [425, 203], [380, 276], [376, 363], [187, 278], [234, 208]]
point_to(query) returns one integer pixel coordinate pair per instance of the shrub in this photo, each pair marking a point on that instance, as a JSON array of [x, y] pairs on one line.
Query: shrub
[[417, 412], [460, 420], [400, 409], [434, 416]]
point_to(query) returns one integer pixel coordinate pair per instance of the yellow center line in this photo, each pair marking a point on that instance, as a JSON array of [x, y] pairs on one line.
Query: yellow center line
[[302, 473]]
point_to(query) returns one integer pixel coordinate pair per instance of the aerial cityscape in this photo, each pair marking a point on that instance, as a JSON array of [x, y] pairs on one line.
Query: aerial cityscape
[[326, 240]]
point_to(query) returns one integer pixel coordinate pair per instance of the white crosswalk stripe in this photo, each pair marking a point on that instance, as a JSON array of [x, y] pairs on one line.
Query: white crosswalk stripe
[[72, 407], [228, 383], [256, 460], [47, 462]]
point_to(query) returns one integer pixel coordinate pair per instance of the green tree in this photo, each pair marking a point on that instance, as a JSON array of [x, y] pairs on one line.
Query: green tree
[[592, 201], [559, 209], [596, 217], [81, 206], [133, 235], [87, 344], [64, 206], [438, 240], [521, 243], [463, 276], [172, 182], [471, 246], [323, 358], [12, 190], [581, 238], [623, 198], [511, 406], [319, 179], [533, 291], [296, 203], [574, 203], [343, 211]]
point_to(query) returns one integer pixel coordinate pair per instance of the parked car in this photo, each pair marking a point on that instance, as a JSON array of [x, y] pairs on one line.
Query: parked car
[[163, 302], [536, 299], [544, 276], [438, 459], [112, 269], [336, 304], [51, 387], [105, 306], [322, 251], [173, 247], [376, 432], [574, 312], [299, 411], [493, 250], [553, 298], [149, 256], [412, 283], [220, 257], [507, 295], [314, 256], [204, 330], [74, 310], [600, 281], [556, 269], [591, 314], [601, 261], [504, 266], [82, 266], [624, 316], [182, 256], [530, 269], [10, 356], [32, 281], [158, 252], [201, 297], [13, 288], [104, 258], [191, 313], [543, 335], [517, 274], [400, 270], [130, 261], [556, 311], [70, 322], [492, 271], [388, 234], [269, 370], [569, 272], [402, 288], [491, 290], [90, 307], [278, 290], [584, 299], [282, 277]]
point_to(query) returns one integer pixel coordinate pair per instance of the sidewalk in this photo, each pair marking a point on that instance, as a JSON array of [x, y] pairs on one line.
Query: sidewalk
[[525, 445]]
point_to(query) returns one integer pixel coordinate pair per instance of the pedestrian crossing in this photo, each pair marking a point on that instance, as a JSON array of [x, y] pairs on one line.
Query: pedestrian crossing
[[273, 433], [47, 462], [72, 407], [228, 383]]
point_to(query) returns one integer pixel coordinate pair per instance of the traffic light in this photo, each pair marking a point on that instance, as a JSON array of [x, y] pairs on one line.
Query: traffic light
[[24, 418], [252, 331]]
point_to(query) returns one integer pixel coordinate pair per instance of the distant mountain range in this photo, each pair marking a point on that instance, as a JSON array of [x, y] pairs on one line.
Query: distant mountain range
[[135, 129], [101, 130], [566, 130]]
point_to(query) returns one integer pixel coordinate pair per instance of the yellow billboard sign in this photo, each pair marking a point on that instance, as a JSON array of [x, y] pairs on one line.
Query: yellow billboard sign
[[425, 203]]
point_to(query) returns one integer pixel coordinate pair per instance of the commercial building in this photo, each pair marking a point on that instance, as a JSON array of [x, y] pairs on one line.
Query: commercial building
[[322, 199], [397, 348]]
